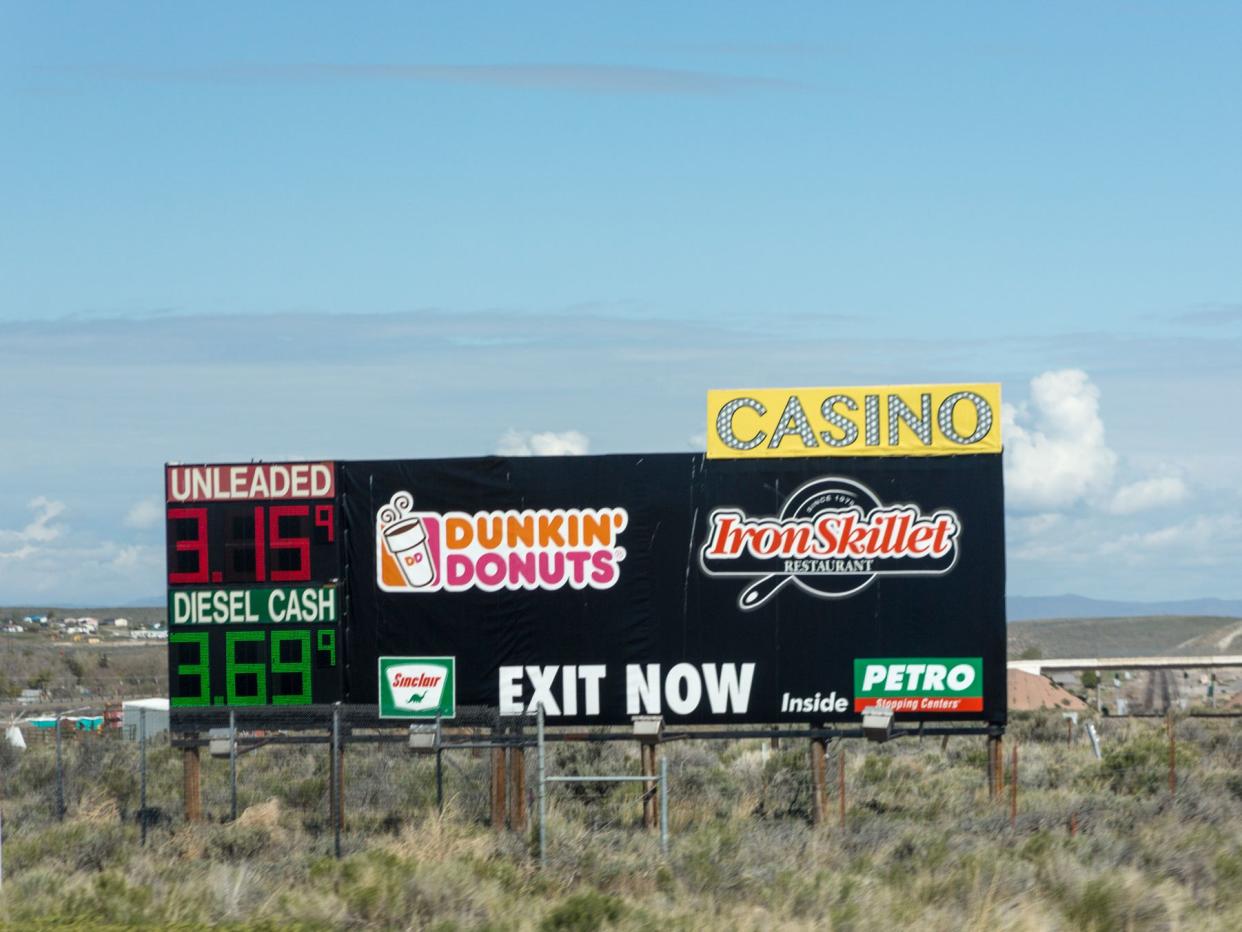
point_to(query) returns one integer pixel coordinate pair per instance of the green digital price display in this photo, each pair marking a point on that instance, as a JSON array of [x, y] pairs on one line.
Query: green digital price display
[[246, 665]]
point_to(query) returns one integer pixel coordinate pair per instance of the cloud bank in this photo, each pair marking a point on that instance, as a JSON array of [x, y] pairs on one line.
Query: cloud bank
[[547, 443]]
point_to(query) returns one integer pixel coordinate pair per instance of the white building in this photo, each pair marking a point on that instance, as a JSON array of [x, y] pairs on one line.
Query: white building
[[156, 710]]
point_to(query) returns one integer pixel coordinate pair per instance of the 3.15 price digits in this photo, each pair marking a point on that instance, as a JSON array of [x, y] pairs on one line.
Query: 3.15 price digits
[[251, 543]]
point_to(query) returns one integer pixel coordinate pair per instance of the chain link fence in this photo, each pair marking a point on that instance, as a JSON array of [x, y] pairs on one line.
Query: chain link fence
[[95, 789]]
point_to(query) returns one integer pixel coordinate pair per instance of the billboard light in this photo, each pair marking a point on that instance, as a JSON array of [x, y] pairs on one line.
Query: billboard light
[[425, 736], [877, 723], [648, 726]]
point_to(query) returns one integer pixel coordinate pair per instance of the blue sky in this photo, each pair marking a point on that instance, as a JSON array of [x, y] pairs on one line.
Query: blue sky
[[228, 228]]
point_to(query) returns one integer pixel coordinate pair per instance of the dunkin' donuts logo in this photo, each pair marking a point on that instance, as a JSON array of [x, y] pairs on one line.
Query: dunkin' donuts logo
[[425, 551], [832, 538]]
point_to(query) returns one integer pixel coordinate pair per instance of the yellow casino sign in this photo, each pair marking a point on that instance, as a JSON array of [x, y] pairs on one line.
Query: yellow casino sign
[[897, 420]]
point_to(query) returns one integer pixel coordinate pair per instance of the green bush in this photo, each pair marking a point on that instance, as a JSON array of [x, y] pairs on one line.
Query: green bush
[[1141, 764], [583, 912]]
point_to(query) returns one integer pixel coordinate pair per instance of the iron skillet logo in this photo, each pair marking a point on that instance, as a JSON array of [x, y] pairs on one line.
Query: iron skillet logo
[[832, 539]]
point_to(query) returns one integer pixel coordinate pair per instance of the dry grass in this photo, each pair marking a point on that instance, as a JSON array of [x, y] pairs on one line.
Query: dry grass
[[922, 844]]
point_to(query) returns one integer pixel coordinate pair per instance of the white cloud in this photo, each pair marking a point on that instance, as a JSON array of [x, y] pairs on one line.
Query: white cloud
[[41, 530], [697, 441], [1056, 454], [547, 443], [1199, 540], [1146, 494], [145, 514]]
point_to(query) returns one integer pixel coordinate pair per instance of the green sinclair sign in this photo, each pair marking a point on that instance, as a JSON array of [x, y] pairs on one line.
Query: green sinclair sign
[[919, 684], [417, 687]]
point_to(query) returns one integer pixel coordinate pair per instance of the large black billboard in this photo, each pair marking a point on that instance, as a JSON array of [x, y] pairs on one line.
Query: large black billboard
[[707, 591]]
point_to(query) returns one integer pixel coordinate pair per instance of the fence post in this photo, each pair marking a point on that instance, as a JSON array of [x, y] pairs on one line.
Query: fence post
[[543, 789], [819, 796], [191, 784], [60, 773], [233, 764], [142, 769]]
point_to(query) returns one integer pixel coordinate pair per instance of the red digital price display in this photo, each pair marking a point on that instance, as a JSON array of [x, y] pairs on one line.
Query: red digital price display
[[252, 543]]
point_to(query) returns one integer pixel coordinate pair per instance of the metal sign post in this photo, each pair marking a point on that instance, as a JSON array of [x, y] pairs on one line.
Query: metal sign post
[[645, 779], [543, 795], [142, 767]]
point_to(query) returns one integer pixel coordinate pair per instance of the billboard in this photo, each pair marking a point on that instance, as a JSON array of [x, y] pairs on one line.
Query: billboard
[[707, 590]]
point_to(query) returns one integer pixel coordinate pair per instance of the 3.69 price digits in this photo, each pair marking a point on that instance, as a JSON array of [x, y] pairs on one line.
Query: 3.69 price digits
[[259, 667]]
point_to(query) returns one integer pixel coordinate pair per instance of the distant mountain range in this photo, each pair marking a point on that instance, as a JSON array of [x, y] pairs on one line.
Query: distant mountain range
[[1040, 607], [1019, 607]]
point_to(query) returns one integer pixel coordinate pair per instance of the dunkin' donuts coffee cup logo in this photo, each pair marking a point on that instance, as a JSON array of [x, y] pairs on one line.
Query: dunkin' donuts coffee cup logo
[[422, 551], [832, 538]]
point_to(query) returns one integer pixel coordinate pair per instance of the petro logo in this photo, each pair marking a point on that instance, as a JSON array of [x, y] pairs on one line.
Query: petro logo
[[417, 687], [919, 684], [833, 537]]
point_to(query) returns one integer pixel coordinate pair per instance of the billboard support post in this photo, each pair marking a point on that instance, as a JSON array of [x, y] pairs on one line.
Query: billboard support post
[[819, 798], [841, 779], [647, 756], [517, 782], [1013, 789], [191, 784], [997, 760], [499, 796], [993, 755]]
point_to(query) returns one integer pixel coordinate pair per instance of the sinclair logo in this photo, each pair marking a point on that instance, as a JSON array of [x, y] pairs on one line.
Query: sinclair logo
[[417, 687], [423, 551], [832, 538], [919, 684]]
